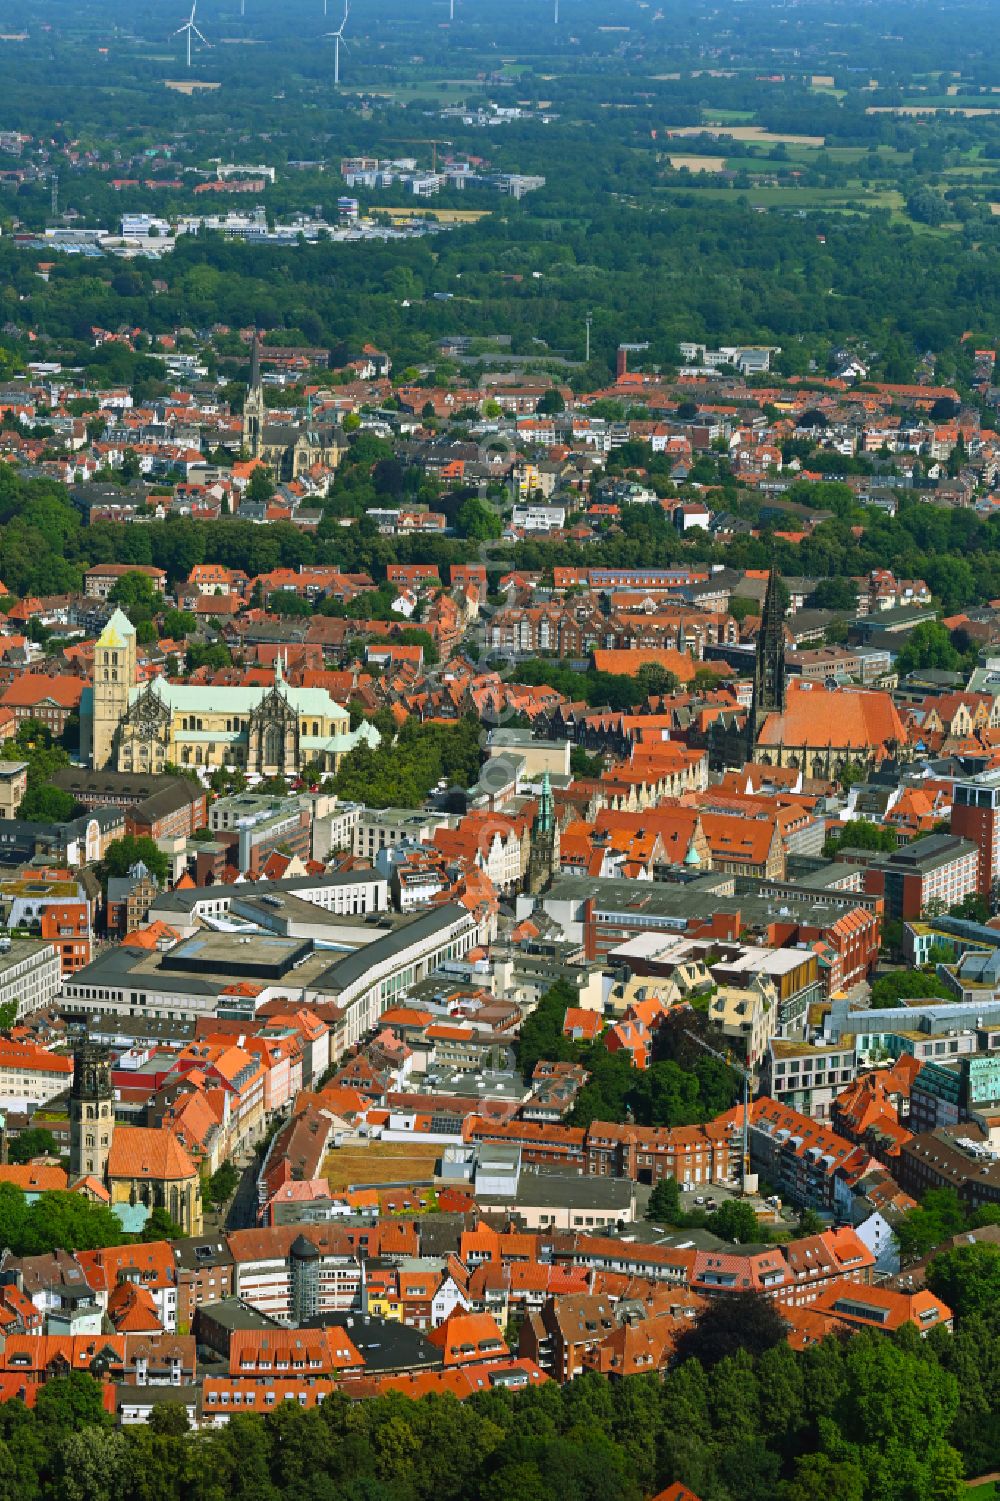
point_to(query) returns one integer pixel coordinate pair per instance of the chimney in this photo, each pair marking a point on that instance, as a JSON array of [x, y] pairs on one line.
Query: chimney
[[621, 362]]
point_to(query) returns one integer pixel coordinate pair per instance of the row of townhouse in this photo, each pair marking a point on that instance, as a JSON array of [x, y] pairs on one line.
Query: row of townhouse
[[794, 1272], [699, 1154], [577, 628], [288, 1273]]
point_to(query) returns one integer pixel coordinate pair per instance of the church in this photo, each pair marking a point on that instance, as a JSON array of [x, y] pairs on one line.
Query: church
[[264, 731], [807, 726], [287, 449], [140, 1165]]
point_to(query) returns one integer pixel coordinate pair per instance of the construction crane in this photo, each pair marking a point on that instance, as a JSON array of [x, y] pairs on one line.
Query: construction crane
[[434, 141], [730, 1062]]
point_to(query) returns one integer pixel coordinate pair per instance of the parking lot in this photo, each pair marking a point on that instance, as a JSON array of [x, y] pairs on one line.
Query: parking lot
[[706, 1196], [709, 1196]]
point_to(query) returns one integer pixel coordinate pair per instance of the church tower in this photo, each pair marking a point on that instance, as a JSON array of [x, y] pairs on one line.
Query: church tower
[[543, 856], [253, 406], [114, 677], [91, 1113], [769, 663]]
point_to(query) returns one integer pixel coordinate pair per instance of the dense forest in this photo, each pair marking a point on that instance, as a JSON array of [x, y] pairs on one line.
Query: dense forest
[[709, 270]]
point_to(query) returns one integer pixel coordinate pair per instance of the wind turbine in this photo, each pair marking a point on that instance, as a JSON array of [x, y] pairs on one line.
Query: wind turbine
[[338, 37], [190, 27]]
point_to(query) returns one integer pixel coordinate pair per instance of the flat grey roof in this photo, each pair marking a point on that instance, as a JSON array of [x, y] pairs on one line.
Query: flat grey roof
[[234, 1313], [416, 816], [352, 967], [202, 1250], [184, 901], [138, 968], [21, 949], [563, 1191], [686, 900]]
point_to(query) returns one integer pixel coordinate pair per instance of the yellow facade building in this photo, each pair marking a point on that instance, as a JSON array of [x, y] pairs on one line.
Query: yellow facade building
[[265, 731]]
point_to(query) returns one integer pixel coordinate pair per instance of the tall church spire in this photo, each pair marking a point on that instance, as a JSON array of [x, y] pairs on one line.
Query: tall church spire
[[543, 852], [769, 663], [253, 405]]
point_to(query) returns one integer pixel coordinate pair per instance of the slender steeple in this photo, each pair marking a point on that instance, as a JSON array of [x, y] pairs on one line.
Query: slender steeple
[[543, 854], [253, 406], [769, 663], [545, 817]]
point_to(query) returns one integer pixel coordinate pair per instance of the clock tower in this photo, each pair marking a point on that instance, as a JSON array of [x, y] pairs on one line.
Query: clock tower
[[91, 1113]]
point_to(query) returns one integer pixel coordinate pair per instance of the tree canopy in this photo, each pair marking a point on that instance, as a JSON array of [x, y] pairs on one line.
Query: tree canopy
[[132, 849]]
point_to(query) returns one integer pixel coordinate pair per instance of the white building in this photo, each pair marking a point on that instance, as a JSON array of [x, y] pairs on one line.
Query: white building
[[538, 518], [30, 974], [30, 1076]]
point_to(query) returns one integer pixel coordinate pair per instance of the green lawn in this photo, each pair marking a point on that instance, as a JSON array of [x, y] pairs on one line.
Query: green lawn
[[985, 1492], [441, 90], [954, 101], [792, 197], [727, 116]]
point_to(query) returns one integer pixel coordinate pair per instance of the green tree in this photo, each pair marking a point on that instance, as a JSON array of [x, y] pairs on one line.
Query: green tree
[[477, 521], [178, 623], [738, 1322], [860, 834], [222, 1184], [583, 764], [43, 803], [34, 743], [820, 1478], [93, 1465], [214, 655], [261, 486], [35, 1142], [928, 645], [939, 1216], [159, 1226], [169, 1420], [664, 1204], [735, 1220], [541, 1034], [71, 1403], [136, 595], [834, 594], [131, 849], [907, 984], [967, 1279]]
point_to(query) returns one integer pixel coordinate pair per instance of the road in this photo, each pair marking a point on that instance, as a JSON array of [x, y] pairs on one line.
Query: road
[[241, 1212]]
